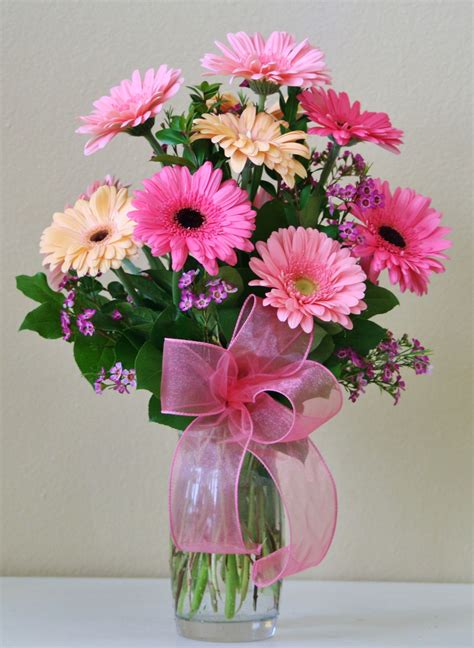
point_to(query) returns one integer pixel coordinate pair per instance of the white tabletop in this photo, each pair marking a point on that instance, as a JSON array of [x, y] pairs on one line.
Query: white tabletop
[[131, 613]]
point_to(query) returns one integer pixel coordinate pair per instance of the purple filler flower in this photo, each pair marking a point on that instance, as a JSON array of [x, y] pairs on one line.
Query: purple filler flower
[[187, 278], [116, 314], [202, 301], [83, 324]]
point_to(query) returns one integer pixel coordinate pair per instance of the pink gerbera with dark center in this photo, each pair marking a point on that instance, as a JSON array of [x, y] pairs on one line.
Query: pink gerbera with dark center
[[338, 118], [129, 104], [197, 215], [279, 60], [404, 237], [309, 275]]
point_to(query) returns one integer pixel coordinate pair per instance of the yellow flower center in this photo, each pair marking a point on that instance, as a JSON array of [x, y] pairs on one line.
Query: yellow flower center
[[306, 286]]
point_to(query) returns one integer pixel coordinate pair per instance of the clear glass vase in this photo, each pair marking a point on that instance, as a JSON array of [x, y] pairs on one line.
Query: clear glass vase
[[214, 596]]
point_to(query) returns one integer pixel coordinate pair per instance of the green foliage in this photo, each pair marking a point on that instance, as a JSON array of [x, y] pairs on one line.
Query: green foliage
[[36, 287], [167, 160], [129, 344], [270, 217], [172, 323], [44, 320], [365, 336], [171, 420], [227, 320], [379, 300], [309, 212], [324, 349], [91, 353], [170, 136], [148, 366]]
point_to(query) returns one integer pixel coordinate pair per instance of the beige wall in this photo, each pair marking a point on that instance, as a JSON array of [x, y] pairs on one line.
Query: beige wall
[[84, 478]]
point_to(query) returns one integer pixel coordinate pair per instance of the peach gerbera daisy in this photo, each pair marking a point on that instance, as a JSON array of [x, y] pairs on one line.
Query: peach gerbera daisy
[[256, 137], [309, 275], [93, 236], [279, 60]]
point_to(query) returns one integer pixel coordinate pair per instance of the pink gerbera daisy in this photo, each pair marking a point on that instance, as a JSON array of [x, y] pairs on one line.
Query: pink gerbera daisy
[[309, 275], [404, 236], [129, 104], [345, 122], [279, 60], [194, 214]]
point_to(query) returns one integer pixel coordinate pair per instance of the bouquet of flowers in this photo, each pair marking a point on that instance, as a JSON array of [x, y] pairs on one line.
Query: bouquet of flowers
[[245, 288]]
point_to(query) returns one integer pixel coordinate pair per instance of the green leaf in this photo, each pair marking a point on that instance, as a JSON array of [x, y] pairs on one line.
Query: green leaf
[[270, 217], [44, 320], [170, 136], [92, 353], [171, 420], [161, 276], [330, 230], [90, 285], [318, 334], [148, 366], [379, 300], [149, 289], [227, 320], [117, 291], [324, 350], [172, 159], [232, 276], [36, 287], [171, 323], [365, 335], [309, 213], [129, 344]]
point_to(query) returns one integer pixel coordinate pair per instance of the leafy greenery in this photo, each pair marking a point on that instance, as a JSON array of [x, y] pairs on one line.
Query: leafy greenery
[[44, 320], [91, 353], [379, 300], [37, 288], [155, 415]]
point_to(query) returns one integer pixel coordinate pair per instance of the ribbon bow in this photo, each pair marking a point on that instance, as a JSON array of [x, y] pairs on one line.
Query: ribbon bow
[[226, 389]]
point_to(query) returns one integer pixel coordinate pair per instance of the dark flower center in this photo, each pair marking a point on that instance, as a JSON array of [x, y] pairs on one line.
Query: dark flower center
[[392, 236], [189, 218], [99, 236]]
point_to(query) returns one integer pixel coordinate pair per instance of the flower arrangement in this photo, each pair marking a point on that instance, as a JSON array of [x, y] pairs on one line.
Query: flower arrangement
[[257, 211]]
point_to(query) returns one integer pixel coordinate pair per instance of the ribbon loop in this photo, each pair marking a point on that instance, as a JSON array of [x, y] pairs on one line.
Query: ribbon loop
[[227, 390]]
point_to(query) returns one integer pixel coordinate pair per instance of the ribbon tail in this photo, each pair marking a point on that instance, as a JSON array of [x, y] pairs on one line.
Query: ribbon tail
[[308, 494], [203, 489]]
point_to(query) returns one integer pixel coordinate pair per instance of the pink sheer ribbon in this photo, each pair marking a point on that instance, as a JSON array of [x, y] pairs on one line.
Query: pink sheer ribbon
[[226, 390]]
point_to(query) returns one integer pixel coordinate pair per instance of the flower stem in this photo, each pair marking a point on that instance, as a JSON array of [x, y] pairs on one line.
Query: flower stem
[[261, 102], [320, 191], [122, 275], [154, 143], [256, 177]]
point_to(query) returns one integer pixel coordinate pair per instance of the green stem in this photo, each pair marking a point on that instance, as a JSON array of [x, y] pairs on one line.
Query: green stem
[[154, 143], [256, 177], [230, 586], [122, 275], [320, 192], [261, 102], [175, 290], [332, 157]]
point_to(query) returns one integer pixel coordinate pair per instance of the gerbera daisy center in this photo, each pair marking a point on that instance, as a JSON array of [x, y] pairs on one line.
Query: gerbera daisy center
[[392, 236], [306, 286], [99, 235], [189, 218]]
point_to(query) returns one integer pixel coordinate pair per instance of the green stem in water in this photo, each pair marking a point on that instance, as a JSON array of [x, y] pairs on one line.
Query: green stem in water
[[201, 583], [154, 143], [122, 275], [230, 586]]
